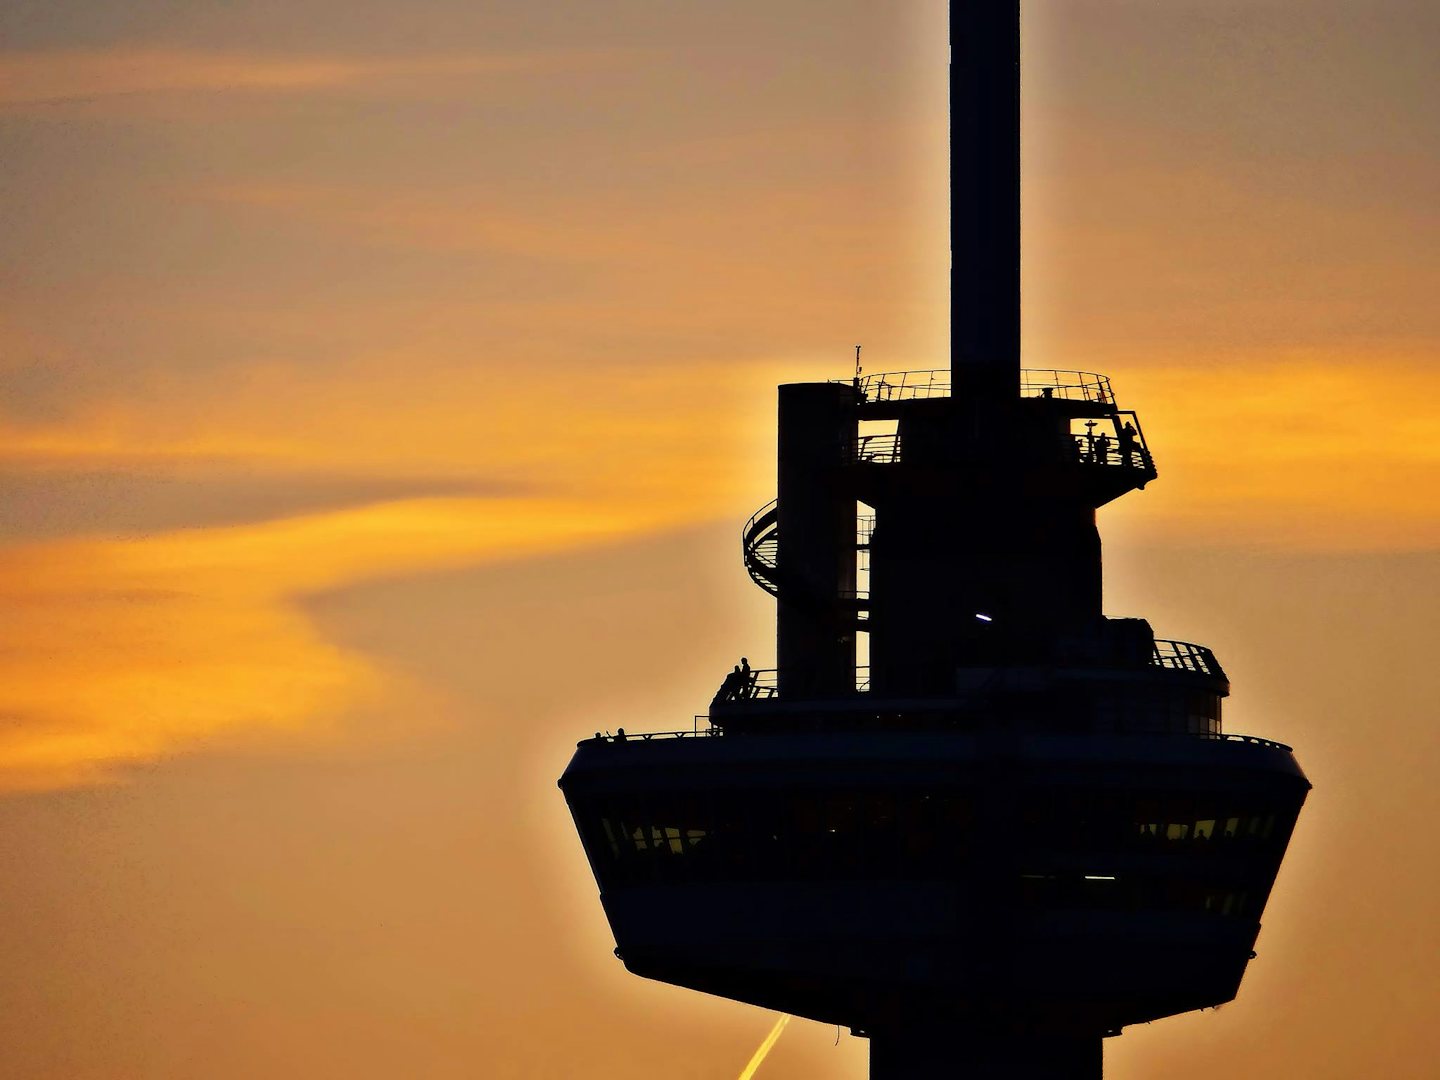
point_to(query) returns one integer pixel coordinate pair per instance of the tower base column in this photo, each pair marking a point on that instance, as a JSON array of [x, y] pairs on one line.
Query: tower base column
[[946, 1053]]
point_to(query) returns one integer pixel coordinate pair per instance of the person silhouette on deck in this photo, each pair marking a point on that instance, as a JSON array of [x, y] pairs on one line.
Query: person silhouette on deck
[[730, 688], [1127, 442]]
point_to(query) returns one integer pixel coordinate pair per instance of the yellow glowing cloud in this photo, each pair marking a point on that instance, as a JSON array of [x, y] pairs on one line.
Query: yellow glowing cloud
[[122, 651], [126, 649], [1310, 451], [683, 436]]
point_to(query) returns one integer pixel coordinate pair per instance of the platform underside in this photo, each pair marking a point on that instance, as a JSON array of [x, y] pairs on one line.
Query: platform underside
[[1067, 887]]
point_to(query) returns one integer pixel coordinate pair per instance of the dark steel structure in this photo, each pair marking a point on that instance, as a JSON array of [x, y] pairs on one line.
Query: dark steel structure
[[1019, 827]]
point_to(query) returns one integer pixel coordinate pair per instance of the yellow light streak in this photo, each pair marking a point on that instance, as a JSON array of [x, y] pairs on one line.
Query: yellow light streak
[[765, 1047]]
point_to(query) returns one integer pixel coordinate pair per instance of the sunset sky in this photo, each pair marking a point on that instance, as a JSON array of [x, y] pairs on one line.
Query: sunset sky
[[382, 388]]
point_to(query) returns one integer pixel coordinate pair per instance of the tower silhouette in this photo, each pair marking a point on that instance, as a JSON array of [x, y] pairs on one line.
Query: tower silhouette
[[1019, 827]]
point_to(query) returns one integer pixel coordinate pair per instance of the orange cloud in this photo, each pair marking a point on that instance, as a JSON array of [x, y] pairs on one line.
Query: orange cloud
[[685, 437], [125, 650], [1312, 451], [122, 651]]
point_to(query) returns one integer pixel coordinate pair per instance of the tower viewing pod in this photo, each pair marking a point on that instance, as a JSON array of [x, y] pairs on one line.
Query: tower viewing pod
[[1019, 826]]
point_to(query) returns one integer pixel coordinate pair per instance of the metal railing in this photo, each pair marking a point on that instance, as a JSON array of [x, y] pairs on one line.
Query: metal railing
[[864, 528], [762, 684], [1186, 656], [653, 736], [880, 449], [755, 685], [711, 732], [761, 533], [760, 550], [1104, 449], [1089, 448], [904, 385], [1066, 385], [760, 545], [1034, 382], [1253, 740]]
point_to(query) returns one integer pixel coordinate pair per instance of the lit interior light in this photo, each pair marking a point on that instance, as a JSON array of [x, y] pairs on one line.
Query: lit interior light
[[983, 618], [1099, 877]]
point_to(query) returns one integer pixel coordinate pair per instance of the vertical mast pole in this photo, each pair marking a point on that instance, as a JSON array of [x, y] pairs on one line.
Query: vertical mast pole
[[985, 199]]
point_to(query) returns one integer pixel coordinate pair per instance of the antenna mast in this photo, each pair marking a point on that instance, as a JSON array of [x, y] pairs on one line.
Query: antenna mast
[[985, 199]]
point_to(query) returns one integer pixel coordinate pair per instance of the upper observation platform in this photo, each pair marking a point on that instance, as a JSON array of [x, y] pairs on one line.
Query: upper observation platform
[[1081, 420], [1166, 654], [885, 387], [1162, 687]]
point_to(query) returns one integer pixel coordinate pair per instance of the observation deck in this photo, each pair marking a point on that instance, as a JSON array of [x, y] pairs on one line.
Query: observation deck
[[1079, 440], [962, 790], [1042, 883], [1101, 435]]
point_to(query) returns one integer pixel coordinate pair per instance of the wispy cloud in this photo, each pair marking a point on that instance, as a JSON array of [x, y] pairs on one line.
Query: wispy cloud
[[123, 652], [690, 231], [670, 434], [77, 75], [125, 649], [42, 499]]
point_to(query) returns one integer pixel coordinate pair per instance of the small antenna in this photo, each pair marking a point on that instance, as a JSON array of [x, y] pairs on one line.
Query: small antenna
[[857, 361]]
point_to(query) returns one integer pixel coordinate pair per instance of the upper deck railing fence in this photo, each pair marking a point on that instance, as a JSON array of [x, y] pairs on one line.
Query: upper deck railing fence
[[763, 684], [889, 386], [1186, 656], [704, 730]]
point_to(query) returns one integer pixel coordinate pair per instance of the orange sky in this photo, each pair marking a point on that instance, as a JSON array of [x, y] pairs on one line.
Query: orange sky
[[381, 392]]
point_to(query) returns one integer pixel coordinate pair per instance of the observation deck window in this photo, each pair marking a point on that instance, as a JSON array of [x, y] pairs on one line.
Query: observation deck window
[[857, 835], [1247, 828], [1131, 892]]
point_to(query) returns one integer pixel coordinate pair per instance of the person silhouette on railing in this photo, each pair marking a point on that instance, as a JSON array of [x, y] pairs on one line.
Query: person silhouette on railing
[[1127, 442], [1102, 449], [729, 688], [739, 684], [748, 678]]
